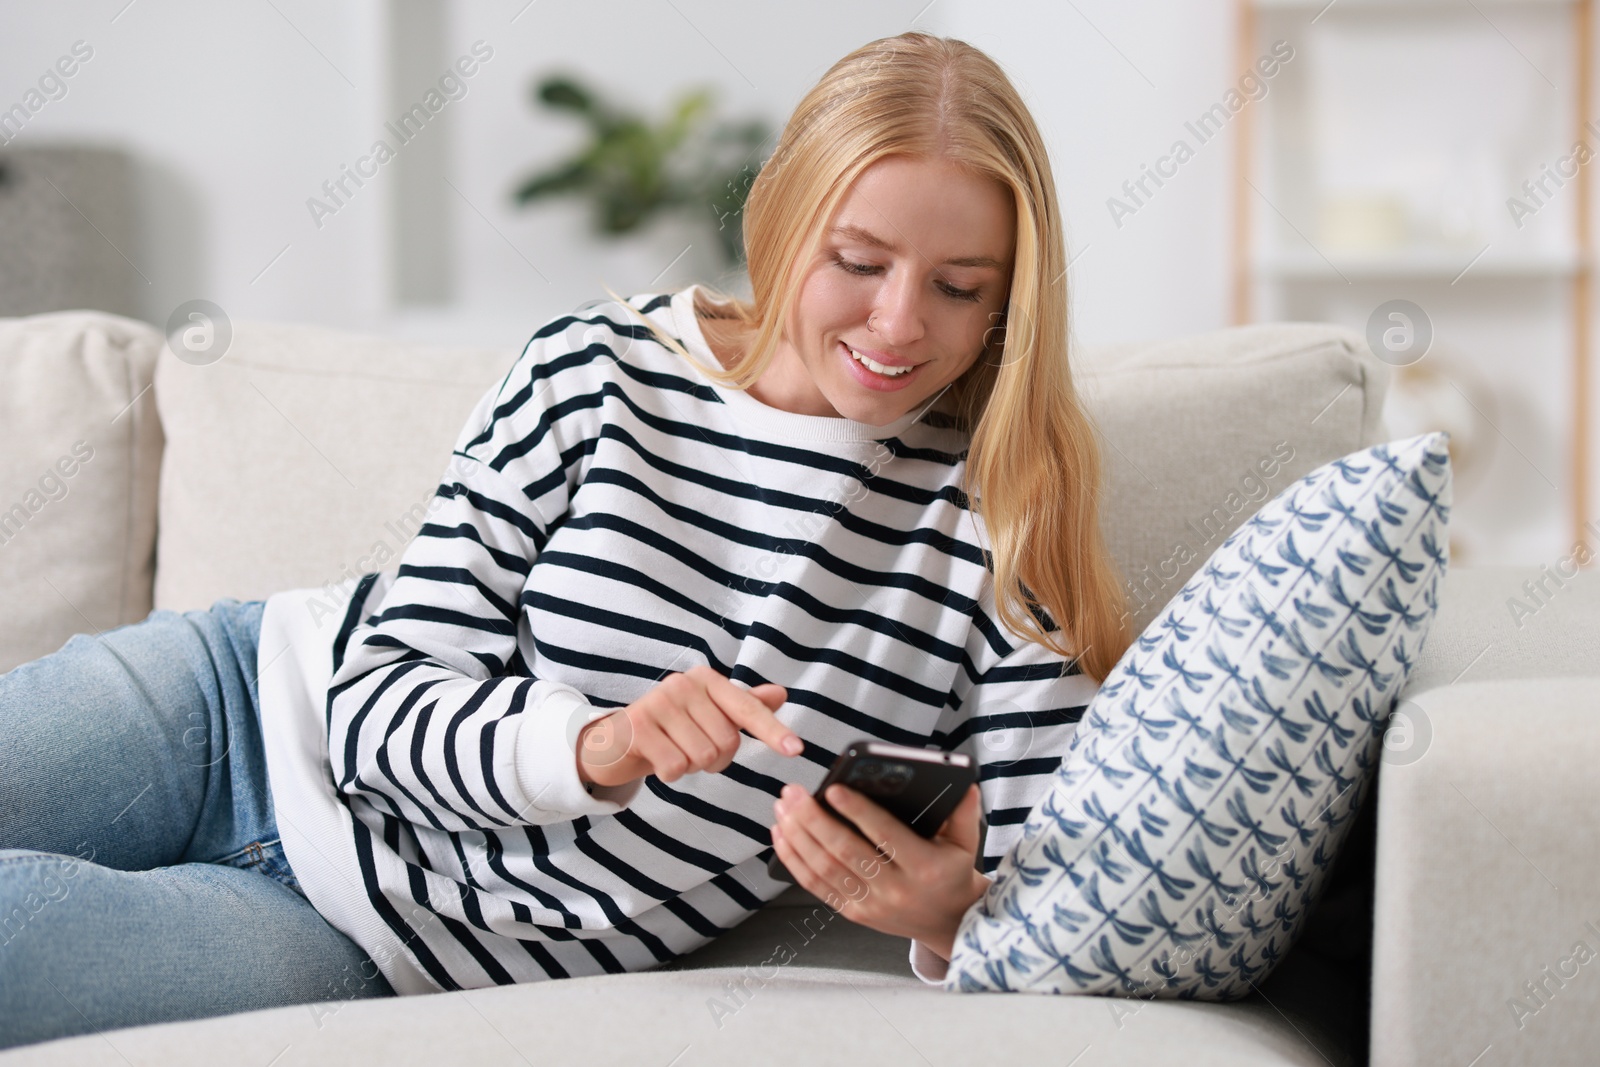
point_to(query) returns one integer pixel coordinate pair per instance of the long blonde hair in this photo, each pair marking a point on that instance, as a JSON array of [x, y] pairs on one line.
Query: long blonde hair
[[1033, 464]]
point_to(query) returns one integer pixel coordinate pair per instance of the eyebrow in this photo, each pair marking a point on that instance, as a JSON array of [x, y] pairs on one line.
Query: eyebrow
[[867, 237]]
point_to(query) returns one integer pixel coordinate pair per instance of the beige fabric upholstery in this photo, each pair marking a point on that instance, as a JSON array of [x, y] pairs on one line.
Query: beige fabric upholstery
[[1192, 427], [1478, 636], [1488, 873], [304, 456], [809, 1012], [1489, 840], [77, 549]]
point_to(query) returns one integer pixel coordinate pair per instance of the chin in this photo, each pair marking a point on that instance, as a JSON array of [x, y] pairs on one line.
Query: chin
[[866, 409]]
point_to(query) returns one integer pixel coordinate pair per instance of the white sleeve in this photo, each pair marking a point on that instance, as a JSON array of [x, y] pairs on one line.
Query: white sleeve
[[927, 964], [547, 764]]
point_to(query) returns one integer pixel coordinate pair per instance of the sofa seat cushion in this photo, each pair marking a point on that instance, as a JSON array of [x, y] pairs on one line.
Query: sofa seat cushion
[[802, 1015], [80, 452]]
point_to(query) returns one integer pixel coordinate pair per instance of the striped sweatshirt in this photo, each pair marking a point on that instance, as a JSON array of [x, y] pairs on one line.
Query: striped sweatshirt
[[610, 515]]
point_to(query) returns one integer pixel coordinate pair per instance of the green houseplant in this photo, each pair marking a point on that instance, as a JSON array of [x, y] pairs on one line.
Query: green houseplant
[[632, 170]]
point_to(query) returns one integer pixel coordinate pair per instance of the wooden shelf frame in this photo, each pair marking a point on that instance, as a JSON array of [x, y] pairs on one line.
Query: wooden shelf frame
[[1581, 269]]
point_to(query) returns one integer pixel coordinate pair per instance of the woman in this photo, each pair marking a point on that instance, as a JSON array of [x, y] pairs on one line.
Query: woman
[[862, 505]]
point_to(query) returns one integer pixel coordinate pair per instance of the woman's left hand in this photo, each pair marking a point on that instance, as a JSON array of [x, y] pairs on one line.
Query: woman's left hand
[[907, 886]]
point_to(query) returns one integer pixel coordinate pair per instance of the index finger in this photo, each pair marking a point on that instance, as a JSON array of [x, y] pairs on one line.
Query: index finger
[[749, 713]]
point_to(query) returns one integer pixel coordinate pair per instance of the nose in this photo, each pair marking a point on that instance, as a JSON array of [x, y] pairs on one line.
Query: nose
[[897, 317]]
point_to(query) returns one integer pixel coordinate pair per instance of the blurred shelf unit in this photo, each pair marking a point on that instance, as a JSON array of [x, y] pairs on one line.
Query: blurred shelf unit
[[1318, 6], [1282, 151], [1416, 264]]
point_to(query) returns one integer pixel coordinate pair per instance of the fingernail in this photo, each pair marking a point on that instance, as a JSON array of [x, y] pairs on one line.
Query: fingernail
[[793, 745]]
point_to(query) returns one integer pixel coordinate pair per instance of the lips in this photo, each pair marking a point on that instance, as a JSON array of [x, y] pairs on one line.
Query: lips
[[889, 368], [884, 374]]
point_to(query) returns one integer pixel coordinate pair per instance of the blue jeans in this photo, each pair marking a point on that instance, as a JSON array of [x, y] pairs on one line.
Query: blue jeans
[[141, 876]]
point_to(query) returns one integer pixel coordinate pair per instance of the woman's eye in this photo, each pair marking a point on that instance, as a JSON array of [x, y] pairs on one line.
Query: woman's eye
[[864, 268]]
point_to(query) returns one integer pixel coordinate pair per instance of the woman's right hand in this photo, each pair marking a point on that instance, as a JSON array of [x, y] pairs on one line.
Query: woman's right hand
[[688, 722]]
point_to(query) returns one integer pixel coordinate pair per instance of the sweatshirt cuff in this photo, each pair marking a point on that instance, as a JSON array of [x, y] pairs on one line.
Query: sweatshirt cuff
[[547, 759], [927, 964]]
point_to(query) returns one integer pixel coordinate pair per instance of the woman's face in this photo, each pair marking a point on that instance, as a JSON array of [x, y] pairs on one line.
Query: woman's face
[[913, 270]]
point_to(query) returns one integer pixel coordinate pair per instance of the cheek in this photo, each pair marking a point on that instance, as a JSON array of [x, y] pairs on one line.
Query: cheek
[[968, 334], [832, 301]]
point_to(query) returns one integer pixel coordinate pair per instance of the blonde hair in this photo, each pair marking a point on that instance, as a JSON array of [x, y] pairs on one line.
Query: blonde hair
[[1033, 463]]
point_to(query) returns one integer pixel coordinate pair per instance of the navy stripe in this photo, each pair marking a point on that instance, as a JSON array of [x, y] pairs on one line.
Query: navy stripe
[[543, 959], [457, 576], [625, 871], [452, 757], [597, 948], [608, 907], [494, 855], [817, 609], [678, 850], [1014, 720], [391, 677], [851, 572], [352, 615], [737, 893], [411, 939], [486, 737], [710, 812], [834, 510], [465, 531], [1022, 768], [1008, 816]]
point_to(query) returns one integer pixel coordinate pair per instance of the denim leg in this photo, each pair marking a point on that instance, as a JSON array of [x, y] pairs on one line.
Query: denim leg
[[140, 746], [86, 948]]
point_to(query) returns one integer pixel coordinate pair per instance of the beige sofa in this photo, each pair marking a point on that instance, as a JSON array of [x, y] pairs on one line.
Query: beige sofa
[[305, 456]]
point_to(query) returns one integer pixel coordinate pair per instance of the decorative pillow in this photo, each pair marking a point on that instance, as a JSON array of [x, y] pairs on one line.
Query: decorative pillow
[[1190, 828]]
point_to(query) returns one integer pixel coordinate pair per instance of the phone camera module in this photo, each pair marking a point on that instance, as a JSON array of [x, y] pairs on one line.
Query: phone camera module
[[866, 772], [893, 779]]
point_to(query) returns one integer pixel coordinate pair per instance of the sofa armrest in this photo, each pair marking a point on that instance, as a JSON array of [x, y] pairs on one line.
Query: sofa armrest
[[1487, 900]]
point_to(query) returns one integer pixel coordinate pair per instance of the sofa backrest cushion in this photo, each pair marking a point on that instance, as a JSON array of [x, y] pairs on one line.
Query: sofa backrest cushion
[[80, 451], [304, 456], [307, 455], [1198, 432]]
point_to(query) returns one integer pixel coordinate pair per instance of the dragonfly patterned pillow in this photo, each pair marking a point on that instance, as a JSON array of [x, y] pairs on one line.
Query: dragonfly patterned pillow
[[1193, 822]]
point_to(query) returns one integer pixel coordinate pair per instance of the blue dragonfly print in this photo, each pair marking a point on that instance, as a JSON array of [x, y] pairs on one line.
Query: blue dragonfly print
[[1194, 821]]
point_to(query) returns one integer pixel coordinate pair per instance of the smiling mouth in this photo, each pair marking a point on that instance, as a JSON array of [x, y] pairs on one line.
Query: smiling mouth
[[879, 368]]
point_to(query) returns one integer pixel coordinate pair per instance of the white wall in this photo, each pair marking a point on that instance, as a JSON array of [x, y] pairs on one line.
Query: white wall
[[233, 119], [237, 114], [1111, 85]]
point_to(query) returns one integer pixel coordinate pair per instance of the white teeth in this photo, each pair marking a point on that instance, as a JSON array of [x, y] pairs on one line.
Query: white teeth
[[876, 367]]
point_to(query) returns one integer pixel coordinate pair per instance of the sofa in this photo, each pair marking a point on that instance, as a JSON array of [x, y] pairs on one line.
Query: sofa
[[1457, 926]]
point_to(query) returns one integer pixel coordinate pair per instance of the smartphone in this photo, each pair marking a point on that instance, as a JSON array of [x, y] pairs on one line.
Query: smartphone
[[918, 786]]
